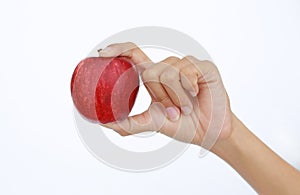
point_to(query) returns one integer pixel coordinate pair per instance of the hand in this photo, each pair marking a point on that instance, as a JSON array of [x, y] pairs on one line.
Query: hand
[[189, 101], [190, 104]]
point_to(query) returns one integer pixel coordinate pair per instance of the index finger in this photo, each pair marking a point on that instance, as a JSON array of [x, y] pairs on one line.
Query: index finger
[[128, 49]]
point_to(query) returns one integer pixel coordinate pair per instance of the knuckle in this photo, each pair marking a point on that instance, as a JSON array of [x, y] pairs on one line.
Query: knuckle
[[149, 74], [172, 58], [208, 63], [131, 44], [186, 72], [168, 76], [112, 45], [190, 58], [210, 70]]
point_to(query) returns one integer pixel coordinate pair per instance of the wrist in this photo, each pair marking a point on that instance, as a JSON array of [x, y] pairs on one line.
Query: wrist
[[224, 148]]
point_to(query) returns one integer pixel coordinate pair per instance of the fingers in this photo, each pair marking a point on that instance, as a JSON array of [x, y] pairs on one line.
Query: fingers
[[169, 81], [129, 50], [151, 120], [207, 72], [151, 78], [185, 76], [179, 79], [189, 79], [170, 78], [198, 74]]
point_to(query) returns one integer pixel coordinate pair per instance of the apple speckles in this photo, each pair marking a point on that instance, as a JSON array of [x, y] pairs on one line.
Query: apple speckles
[[104, 89]]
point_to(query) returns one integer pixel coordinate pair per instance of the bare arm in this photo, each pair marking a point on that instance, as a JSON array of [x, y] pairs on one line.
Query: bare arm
[[264, 170]]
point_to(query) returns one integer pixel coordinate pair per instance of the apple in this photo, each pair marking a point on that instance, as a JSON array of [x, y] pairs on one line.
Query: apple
[[104, 89]]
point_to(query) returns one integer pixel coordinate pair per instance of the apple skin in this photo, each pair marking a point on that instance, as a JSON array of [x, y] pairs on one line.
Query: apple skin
[[104, 89]]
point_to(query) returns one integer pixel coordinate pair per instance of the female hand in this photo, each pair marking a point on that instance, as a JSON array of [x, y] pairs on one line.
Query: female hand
[[189, 101], [190, 104]]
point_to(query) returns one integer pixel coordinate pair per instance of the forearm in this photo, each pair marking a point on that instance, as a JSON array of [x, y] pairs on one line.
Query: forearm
[[264, 170]]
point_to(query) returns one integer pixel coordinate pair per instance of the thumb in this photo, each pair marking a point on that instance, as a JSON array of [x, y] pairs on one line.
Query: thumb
[[153, 119]]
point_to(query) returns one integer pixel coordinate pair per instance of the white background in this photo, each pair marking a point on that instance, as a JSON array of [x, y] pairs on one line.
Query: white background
[[255, 44]]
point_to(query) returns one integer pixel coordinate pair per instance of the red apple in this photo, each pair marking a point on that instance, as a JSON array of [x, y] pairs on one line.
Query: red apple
[[104, 89]]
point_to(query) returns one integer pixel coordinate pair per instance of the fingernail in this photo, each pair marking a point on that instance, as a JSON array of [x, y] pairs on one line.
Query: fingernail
[[186, 110], [172, 113], [193, 93], [107, 51]]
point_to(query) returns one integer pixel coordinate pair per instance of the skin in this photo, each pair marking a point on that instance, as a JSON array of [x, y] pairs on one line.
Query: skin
[[190, 104]]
